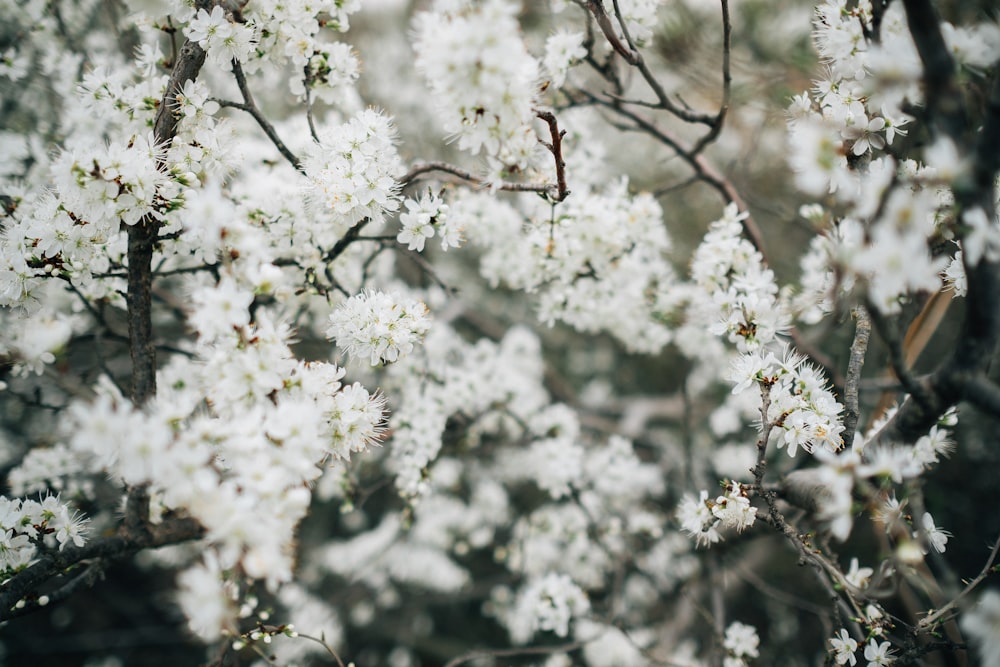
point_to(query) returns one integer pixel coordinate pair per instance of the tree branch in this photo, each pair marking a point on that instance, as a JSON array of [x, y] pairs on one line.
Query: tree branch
[[251, 108], [173, 530], [980, 333], [859, 347], [142, 238], [633, 57], [555, 147], [427, 167]]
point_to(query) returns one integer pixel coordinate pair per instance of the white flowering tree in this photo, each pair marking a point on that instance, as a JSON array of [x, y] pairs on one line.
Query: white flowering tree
[[487, 332]]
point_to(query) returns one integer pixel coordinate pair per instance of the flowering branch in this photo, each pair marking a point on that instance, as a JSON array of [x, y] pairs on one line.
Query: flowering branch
[[14, 595], [931, 619], [981, 327], [826, 571], [419, 170]]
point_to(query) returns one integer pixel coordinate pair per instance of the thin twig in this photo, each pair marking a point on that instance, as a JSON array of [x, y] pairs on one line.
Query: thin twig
[[309, 109], [427, 268], [322, 642], [633, 57], [929, 620], [727, 81], [427, 167], [705, 171], [251, 107], [828, 574], [667, 189]]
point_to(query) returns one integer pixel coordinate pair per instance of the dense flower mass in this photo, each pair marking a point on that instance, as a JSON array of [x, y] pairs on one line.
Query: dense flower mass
[[378, 326], [26, 525], [352, 170], [481, 75], [383, 332]]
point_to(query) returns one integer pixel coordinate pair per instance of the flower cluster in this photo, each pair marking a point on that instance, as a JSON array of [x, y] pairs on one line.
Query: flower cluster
[[702, 518], [27, 524], [481, 75], [741, 642], [378, 326], [223, 39], [802, 404], [841, 131], [234, 438], [352, 171], [425, 217], [599, 265], [551, 602], [473, 378], [739, 290], [563, 50], [845, 647]]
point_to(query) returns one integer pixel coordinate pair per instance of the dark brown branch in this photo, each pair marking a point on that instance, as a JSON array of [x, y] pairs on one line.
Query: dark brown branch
[[984, 394], [727, 83], [427, 167], [251, 108], [942, 96], [555, 147], [698, 163], [633, 57], [25, 583], [142, 237]]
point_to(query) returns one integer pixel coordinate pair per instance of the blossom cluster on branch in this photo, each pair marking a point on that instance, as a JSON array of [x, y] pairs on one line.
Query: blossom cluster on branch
[[447, 332]]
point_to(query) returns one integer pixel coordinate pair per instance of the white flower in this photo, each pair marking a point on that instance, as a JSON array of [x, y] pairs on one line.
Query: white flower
[[844, 647], [696, 519], [858, 576], [376, 325], [357, 420], [878, 655], [954, 276], [741, 640], [352, 171], [220, 309], [562, 51], [206, 600], [223, 40], [750, 368], [734, 509], [420, 220], [937, 536], [552, 601]]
